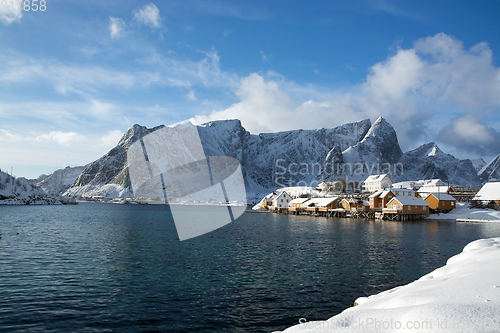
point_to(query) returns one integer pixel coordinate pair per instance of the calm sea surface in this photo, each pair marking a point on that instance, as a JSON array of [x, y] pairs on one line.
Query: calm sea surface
[[120, 268]]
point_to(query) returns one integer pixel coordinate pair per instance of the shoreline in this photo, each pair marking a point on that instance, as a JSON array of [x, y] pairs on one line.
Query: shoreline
[[461, 296]]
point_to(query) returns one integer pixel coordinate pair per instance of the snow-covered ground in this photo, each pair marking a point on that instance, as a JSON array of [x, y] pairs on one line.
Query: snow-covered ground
[[465, 214], [462, 296]]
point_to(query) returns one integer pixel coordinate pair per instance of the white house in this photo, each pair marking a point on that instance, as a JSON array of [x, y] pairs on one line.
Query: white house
[[281, 200], [425, 190], [377, 182], [402, 192]]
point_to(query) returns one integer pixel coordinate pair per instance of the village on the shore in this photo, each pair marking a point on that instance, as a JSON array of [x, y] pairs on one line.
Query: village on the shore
[[379, 199]]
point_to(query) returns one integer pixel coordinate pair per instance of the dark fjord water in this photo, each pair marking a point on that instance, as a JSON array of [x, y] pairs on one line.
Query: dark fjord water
[[121, 268]]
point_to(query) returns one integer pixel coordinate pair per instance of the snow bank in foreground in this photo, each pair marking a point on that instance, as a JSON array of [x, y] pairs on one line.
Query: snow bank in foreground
[[464, 213], [462, 296]]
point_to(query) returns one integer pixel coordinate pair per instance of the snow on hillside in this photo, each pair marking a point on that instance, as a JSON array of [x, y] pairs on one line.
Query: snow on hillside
[[430, 162], [291, 158], [462, 296], [491, 171], [18, 191], [60, 180]]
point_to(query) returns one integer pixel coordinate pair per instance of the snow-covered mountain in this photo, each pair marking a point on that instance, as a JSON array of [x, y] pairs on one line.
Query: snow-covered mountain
[[19, 191], [108, 176], [60, 180], [491, 171], [478, 163], [430, 162], [290, 158]]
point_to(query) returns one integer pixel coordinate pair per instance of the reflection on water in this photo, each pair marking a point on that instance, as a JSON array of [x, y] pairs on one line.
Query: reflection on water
[[98, 267]]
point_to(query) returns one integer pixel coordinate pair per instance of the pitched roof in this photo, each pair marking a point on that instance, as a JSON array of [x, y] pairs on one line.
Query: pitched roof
[[298, 200], [376, 178], [376, 194], [489, 192], [434, 189], [440, 196], [406, 201], [323, 201]]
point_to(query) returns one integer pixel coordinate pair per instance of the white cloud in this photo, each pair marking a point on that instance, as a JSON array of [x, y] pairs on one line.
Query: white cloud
[[86, 80], [8, 137], [116, 26], [469, 133], [149, 15], [264, 57], [102, 110], [413, 89], [10, 14], [61, 138], [111, 139], [191, 96]]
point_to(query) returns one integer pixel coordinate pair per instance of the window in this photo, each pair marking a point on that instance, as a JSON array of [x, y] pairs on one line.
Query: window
[[452, 203], [409, 207], [423, 208], [442, 203]]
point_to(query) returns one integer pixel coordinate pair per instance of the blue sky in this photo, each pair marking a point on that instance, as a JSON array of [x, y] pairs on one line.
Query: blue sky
[[74, 77]]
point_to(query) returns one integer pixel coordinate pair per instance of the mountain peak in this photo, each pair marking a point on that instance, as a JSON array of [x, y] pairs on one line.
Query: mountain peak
[[134, 133], [491, 171]]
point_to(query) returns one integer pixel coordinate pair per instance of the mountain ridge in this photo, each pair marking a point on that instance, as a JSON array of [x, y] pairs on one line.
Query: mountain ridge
[[296, 157]]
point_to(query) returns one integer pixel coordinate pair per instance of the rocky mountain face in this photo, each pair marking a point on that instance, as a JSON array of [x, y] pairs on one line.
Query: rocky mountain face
[[108, 176], [430, 162], [19, 191], [478, 163], [290, 158], [58, 181], [491, 171]]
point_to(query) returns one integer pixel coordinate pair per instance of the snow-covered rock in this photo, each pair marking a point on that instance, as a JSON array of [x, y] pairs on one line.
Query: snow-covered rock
[[491, 171], [19, 191], [60, 180], [108, 176], [478, 164], [430, 162], [291, 158], [462, 296]]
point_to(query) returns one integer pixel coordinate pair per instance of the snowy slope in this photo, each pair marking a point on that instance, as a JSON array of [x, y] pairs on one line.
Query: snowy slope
[[291, 158], [108, 176], [60, 180], [462, 296], [379, 146], [491, 171], [19, 191], [430, 162], [478, 164]]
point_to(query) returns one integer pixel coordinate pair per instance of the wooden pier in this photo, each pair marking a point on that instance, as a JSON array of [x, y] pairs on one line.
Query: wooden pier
[[353, 213]]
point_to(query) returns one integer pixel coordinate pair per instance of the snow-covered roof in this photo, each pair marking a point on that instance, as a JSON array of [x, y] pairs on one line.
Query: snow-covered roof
[[489, 192], [322, 201], [280, 194], [440, 196], [406, 201], [299, 200], [434, 189], [376, 178], [376, 194], [393, 189], [407, 184], [385, 193], [432, 182]]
